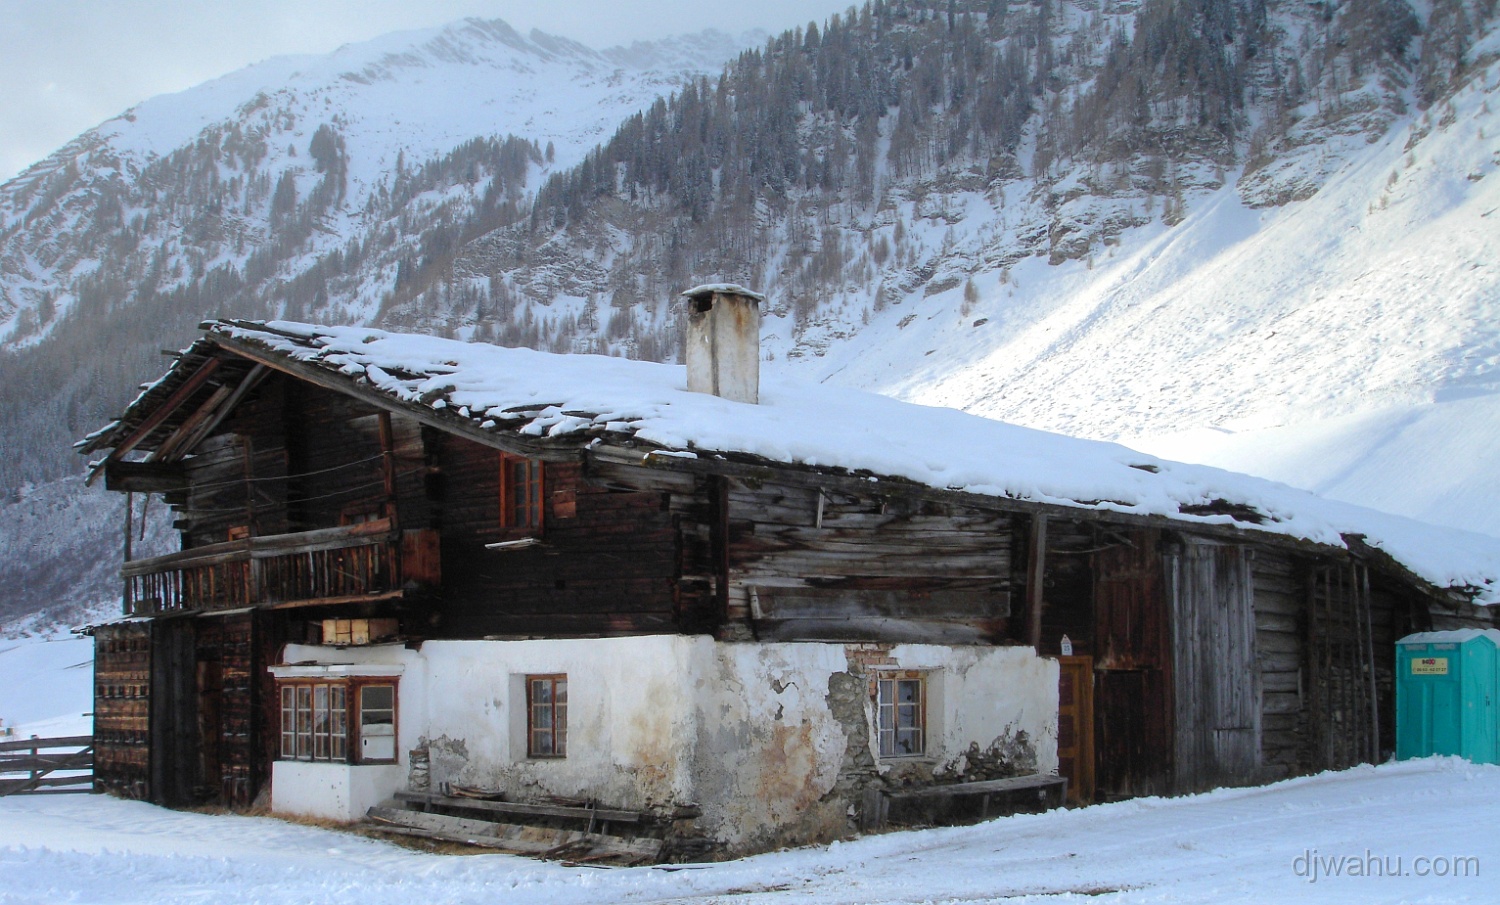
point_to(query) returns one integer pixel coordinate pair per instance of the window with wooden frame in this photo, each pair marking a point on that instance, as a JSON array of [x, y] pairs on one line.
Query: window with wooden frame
[[901, 714], [520, 493], [338, 722], [547, 715]]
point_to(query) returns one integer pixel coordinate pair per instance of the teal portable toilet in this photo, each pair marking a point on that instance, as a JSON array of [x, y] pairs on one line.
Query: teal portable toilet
[[1447, 693]]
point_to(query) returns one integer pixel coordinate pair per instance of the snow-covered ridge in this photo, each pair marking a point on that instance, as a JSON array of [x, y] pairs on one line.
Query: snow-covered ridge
[[540, 394], [489, 49]]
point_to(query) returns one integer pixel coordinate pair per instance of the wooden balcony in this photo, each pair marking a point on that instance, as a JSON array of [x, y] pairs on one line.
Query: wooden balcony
[[332, 565]]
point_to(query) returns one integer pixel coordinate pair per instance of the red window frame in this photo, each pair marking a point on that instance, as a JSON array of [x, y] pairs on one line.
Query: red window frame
[[324, 720], [521, 492], [547, 715]]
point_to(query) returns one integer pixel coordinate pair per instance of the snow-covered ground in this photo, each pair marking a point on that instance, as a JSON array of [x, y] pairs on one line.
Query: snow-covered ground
[[1420, 831], [46, 687], [1425, 827]]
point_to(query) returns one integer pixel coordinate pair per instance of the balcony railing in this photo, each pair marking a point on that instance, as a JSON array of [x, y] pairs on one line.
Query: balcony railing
[[355, 562]]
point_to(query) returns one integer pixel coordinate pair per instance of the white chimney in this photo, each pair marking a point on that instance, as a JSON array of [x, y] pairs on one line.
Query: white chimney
[[723, 341]]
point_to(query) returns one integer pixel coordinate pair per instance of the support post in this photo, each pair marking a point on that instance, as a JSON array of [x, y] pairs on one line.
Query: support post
[[129, 515], [1036, 570]]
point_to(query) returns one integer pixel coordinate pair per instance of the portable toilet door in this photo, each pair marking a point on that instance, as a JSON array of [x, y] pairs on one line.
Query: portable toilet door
[[1447, 685]]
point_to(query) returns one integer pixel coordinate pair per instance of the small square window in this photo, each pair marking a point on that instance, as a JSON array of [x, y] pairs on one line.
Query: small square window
[[901, 715], [547, 716]]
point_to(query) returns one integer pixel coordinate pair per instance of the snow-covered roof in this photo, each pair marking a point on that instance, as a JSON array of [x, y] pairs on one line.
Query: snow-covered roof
[[589, 398], [1453, 636], [724, 289]]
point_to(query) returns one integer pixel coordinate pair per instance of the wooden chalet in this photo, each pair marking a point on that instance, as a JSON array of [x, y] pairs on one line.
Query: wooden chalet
[[423, 570]]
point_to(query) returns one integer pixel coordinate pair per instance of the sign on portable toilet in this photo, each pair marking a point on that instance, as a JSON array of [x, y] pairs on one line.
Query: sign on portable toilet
[[1448, 695]]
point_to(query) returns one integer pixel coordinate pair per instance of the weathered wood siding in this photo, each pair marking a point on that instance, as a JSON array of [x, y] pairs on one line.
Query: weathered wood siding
[[1215, 680], [1280, 590], [294, 457], [1068, 585], [334, 452], [122, 709], [807, 564], [606, 565]]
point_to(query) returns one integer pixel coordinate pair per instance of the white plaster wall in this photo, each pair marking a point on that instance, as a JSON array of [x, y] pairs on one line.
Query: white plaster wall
[[986, 696], [630, 726], [769, 747], [743, 730], [332, 791]]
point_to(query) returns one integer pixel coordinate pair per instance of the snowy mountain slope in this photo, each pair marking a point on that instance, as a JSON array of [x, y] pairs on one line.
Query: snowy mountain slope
[[1438, 462], [252, 192], [1382, 288], [410, 96]]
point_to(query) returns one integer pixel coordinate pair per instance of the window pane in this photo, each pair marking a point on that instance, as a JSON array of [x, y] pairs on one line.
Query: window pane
[[288, 721], [377, 697], [900, 723], [377, 723], [338, 722], [320, 722], [304, 721]]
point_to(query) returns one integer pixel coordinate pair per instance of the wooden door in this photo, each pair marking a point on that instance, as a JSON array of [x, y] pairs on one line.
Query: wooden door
[[1075, 727], [1132, 670]]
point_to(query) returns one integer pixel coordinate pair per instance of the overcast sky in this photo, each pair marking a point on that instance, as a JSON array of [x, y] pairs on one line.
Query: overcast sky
[[68, 65]]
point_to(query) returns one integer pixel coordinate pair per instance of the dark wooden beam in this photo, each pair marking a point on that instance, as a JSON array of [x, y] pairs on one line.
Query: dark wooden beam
[[208, 417], [145, 477], [388, 467], [1036, 571], [166, 409]]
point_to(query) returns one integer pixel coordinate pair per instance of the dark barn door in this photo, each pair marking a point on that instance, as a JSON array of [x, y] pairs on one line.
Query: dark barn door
[[174, 712], [1132, 669]]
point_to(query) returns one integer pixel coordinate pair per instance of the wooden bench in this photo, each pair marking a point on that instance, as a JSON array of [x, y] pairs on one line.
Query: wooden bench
[[971, 802]]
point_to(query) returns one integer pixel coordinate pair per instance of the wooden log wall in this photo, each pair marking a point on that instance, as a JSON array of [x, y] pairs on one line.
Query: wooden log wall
[[229, 691], [812, 564], [607, 563], [1316, 711], [334, 451], [218, 496], [1068, 592], [1280, 588], [696, 504], [122, 709], [234, 475]]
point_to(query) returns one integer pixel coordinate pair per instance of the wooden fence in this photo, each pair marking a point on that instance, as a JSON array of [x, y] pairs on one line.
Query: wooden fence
[[37, 766]]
